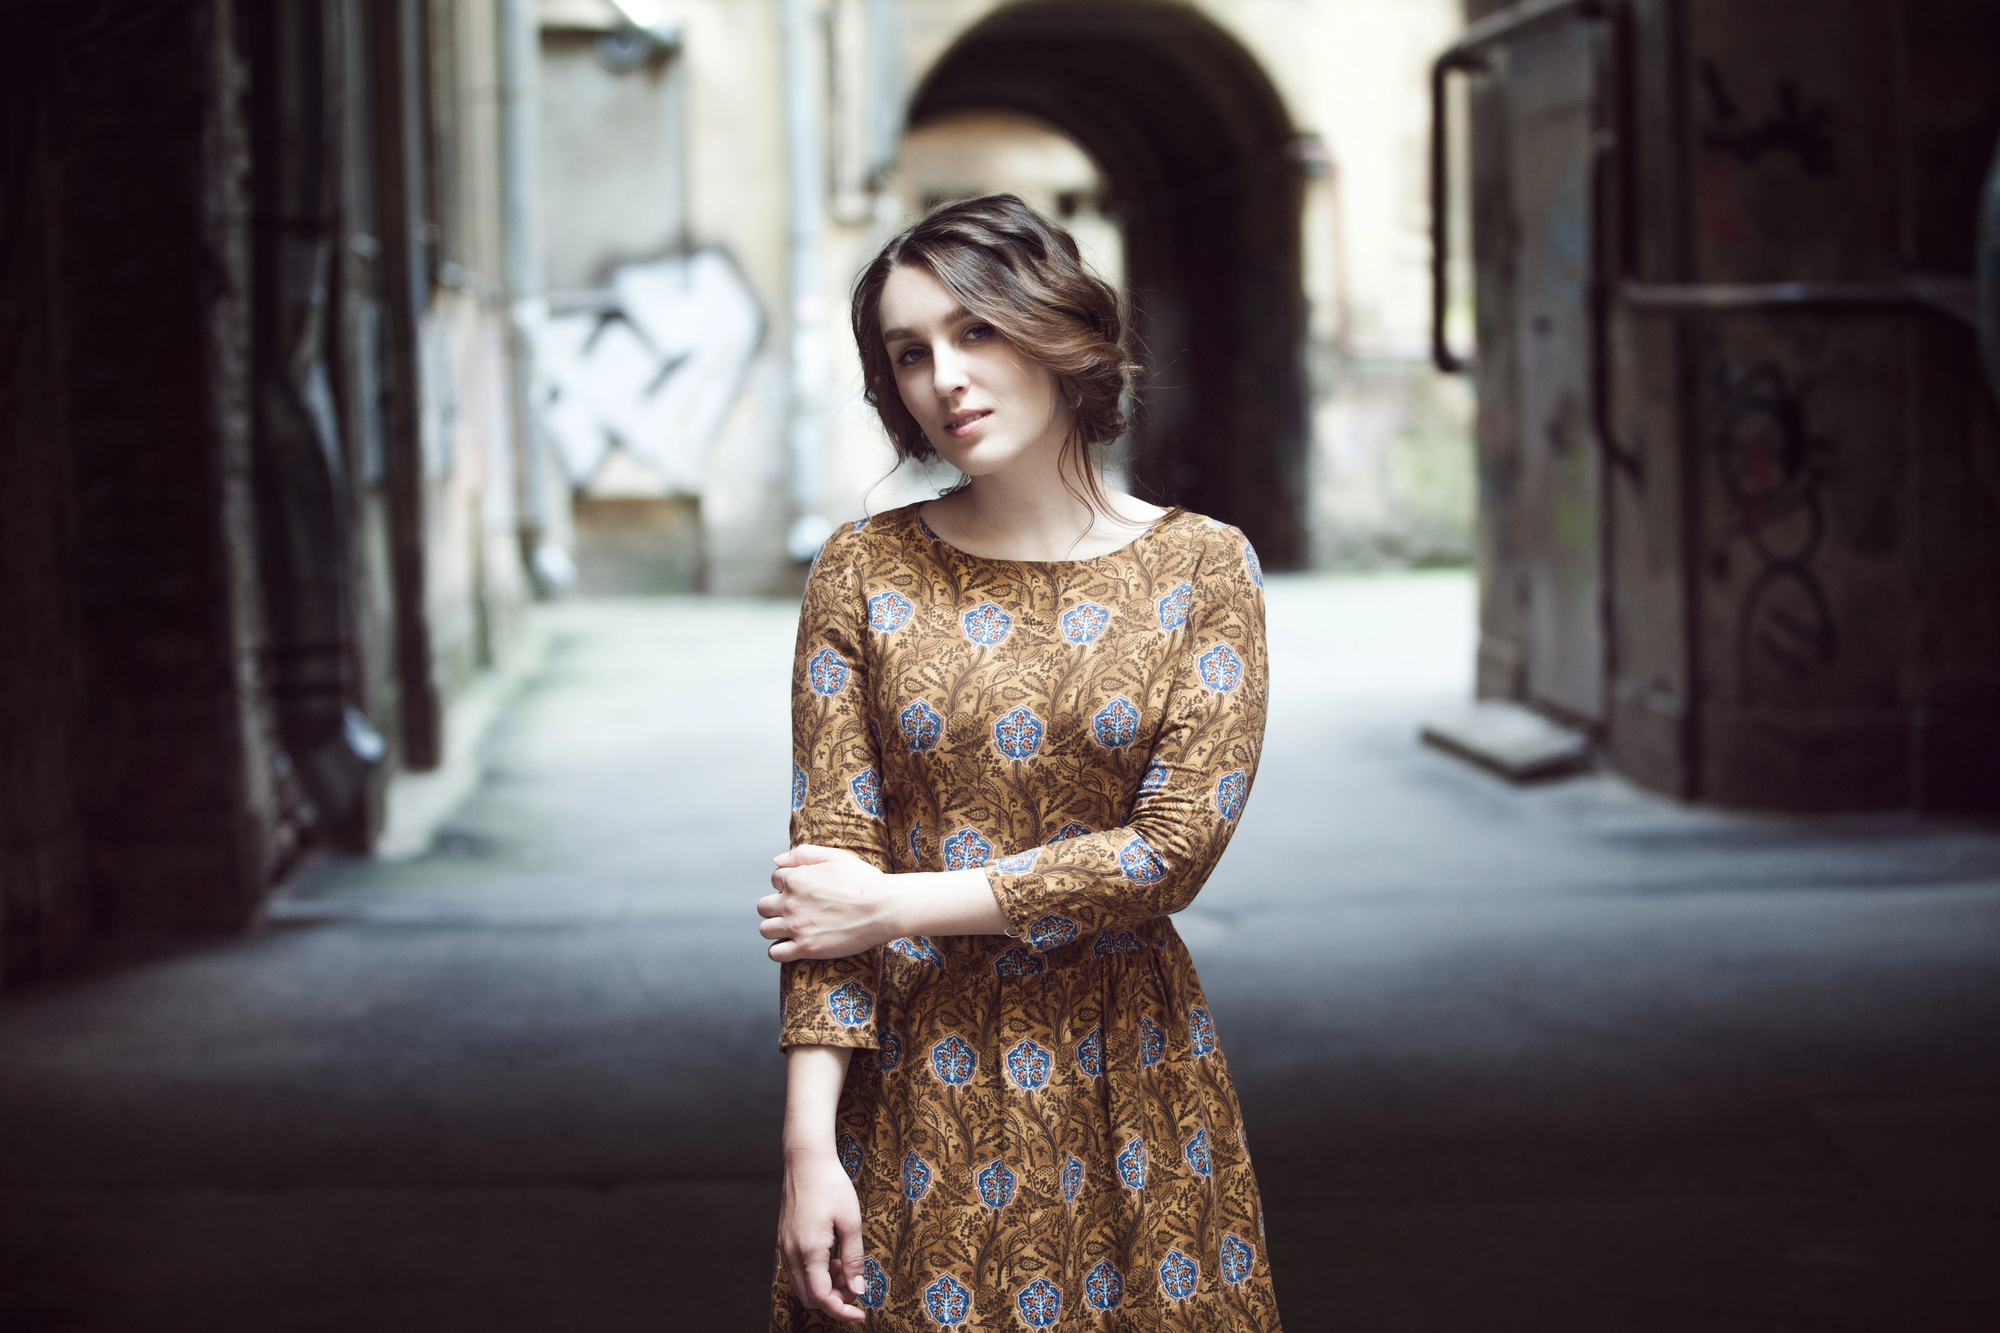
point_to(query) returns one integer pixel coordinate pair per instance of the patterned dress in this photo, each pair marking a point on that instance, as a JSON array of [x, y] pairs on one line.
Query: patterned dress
[[1041, 1128]]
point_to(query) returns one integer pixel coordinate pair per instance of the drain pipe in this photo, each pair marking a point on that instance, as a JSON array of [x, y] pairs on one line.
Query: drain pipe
[[548, 564], [885, 93], [805, 134]]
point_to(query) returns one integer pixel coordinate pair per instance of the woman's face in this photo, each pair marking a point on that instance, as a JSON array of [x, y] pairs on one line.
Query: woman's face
[[982, 403]]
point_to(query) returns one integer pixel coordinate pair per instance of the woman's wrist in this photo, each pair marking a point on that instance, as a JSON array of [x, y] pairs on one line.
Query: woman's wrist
[[813, 1078], [941, 902], [809, 1149], [902, 905]]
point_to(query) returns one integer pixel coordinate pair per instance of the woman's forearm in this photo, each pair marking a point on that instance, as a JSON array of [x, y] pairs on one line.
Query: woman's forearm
[[829, 903], [944, 902], [813, 1075]]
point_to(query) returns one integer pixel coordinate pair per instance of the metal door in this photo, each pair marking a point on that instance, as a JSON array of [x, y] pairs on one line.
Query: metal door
[[1549, 73], [1535, 181]]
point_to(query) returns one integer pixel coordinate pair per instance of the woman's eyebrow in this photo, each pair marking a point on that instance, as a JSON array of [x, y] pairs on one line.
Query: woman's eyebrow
[[959, 314]]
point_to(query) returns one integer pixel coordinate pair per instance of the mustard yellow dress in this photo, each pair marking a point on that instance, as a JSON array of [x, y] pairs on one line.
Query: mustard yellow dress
[[1041, 1128]]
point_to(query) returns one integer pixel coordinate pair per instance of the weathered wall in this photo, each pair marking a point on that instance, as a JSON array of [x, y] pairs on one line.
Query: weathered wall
[[44, 895], [1800, 582], [203, 557], [145, 788], [188, 815], [1850, 479], [613, 186], [1651, 681]]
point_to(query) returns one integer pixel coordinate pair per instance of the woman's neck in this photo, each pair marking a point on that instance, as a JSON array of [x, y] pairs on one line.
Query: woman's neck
[[1005, 516]]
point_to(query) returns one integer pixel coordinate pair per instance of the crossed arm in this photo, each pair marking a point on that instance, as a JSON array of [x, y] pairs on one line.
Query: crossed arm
[[828, 903]]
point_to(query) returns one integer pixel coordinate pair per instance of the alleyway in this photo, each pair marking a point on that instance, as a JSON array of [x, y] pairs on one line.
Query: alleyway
[[1554, 1059]]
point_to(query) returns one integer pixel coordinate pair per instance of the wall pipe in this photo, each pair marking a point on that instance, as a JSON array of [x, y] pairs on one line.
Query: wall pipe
[[805, 151], [521, 281], [885, 90]]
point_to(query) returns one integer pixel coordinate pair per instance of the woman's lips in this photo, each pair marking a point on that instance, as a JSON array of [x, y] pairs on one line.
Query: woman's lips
[[961, 424]]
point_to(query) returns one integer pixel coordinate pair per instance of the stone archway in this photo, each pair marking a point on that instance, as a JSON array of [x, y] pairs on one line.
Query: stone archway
[[1198, 155]]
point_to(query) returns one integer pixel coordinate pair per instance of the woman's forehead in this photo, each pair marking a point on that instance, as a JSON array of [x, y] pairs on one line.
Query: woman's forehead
[[914, 301]]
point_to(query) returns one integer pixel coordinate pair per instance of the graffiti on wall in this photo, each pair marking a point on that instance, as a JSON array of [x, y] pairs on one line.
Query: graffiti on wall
[[1794, 126], [654, 372], [1773, 471]]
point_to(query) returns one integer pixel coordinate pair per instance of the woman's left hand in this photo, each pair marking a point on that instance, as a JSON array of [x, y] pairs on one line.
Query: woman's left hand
[[829, 904]]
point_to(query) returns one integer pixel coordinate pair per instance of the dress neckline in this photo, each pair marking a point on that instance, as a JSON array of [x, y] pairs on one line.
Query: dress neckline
[[1151, 529]]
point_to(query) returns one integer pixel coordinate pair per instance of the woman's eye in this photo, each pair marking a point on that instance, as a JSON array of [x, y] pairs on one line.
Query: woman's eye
[[909, 356], [978, 331]]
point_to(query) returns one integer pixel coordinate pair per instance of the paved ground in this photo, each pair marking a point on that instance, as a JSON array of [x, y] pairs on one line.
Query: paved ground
[[1562, 1058]]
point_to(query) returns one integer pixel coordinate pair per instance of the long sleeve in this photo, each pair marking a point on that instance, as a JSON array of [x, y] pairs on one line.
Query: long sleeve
[[1203, 761], [837, 794]]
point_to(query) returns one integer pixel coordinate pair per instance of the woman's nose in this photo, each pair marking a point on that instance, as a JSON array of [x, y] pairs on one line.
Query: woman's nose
[[948, 371]]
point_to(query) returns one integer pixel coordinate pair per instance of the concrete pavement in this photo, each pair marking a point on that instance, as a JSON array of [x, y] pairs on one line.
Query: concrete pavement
[[1555, 1058]]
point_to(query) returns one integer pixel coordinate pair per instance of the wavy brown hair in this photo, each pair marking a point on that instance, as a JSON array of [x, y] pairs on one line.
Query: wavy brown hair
[[1022, 274]]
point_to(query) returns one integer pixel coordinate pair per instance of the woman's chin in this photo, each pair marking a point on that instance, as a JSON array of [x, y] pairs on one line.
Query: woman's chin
[[970, 462], [984, 458]]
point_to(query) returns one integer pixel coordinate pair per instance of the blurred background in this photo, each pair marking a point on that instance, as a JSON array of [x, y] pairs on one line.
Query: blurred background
[[416, 417]]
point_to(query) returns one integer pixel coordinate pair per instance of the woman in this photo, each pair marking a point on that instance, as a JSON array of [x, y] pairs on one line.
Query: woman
[[1026, 715]]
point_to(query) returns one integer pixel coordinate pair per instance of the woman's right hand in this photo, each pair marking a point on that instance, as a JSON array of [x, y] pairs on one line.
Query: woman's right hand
[[819, 1233]]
